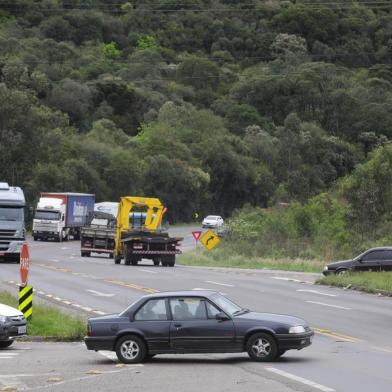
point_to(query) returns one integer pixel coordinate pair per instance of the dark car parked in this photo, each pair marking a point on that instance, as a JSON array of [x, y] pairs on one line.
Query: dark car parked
[[195, 322], [375, 259]]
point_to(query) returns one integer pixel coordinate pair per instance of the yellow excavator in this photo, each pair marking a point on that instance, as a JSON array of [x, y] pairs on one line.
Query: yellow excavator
[[139, 234]]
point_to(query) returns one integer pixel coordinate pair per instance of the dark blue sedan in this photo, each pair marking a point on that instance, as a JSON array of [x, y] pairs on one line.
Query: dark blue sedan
[[195, 322]]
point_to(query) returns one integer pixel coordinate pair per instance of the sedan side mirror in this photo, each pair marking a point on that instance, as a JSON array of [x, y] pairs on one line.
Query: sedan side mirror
[[222, 316]]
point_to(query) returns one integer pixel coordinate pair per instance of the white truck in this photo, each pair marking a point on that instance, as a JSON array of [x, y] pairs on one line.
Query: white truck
[[12, 226], [61, 215]]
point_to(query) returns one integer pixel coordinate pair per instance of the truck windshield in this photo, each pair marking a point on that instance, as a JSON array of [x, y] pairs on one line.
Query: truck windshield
[[47, 215], [11, 214]]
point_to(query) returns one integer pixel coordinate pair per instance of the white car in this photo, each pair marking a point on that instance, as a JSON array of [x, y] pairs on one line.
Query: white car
[[212, 221], [12, 325]]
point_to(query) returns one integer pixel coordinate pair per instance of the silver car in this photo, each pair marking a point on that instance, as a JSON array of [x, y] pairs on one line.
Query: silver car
[[12, 325], [212, 221]]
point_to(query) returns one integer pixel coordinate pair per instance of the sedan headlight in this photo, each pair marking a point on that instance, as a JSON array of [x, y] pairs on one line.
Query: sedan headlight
[[3, 319], [326, 268], [297, 329]]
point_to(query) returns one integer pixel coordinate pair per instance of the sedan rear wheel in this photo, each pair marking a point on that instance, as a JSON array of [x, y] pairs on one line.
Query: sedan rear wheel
[[130, 349], [262, 347]]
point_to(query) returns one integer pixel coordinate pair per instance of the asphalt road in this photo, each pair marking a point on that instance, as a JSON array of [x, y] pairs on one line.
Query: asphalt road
[[352, 350]]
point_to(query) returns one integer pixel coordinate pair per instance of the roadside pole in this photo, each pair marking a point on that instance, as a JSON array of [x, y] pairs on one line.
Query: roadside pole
[[25, 291]]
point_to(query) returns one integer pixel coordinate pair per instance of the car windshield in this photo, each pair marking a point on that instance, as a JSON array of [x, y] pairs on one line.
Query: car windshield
[[47, 215], [226, 305], [210, 217], [11, 214]]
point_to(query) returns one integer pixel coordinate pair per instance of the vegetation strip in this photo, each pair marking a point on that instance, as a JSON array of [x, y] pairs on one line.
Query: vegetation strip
[[50, 323], [226, 258], [369, 282]]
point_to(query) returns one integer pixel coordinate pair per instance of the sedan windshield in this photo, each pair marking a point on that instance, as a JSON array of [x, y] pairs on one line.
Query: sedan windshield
[[11, 214], [47, 215], [226, 305]]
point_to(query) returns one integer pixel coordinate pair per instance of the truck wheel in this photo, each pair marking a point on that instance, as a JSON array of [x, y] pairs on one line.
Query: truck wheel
[[134, 261], [117, 260], [35, 238], [127, 260], [59, 238], [83, 254], [156, 261], [111, 255]]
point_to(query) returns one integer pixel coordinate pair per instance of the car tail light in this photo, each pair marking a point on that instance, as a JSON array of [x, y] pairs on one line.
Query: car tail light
[[89, 330]]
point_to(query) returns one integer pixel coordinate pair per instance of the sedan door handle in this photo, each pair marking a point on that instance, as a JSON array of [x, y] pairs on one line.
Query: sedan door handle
[[178, 325]]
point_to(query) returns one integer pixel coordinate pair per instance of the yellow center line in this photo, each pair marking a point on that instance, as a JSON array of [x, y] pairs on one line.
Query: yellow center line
[[134, 286], [337, 336]]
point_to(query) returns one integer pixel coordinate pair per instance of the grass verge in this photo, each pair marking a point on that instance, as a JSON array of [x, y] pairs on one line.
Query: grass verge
[[221, 258], [370, 282], [48, 321]]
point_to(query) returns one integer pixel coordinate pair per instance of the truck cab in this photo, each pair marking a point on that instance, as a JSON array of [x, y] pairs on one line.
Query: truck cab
[[12, 225], [49, 220]]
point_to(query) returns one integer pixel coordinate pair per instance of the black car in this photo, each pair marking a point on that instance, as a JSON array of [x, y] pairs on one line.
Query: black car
[[375, 259], [195, 322]]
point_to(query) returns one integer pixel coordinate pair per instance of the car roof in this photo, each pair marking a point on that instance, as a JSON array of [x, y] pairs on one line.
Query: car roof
[[380, 248], [186, 293]]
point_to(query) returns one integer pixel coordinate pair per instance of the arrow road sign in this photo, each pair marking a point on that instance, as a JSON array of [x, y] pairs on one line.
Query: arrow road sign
[[210, 239]]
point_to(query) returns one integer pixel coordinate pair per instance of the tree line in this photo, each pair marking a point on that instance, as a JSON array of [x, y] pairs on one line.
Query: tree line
[[208, 105]]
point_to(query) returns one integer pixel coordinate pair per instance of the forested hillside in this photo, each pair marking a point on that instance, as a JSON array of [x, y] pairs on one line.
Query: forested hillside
[[208, 105]]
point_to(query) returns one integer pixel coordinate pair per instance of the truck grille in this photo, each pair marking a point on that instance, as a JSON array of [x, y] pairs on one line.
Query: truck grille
[[7, 233], [4, 245]]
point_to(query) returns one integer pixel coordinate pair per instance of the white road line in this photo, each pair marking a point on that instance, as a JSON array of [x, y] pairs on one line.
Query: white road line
[[113, 357], [219, 284], [317, 292], [300, 379], [330, 305], [291, 280], [99, 294], [145, 270]]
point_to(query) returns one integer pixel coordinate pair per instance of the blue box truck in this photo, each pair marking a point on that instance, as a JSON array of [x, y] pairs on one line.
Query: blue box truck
[[59, 216]]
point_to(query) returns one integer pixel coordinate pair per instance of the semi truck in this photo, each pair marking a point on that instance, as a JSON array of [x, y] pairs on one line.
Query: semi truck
[[139, 234], [12, 225], [59, 216], [99, 233]]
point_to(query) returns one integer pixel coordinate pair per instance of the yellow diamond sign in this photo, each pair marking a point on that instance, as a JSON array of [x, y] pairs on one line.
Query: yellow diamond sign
[[210, 239]]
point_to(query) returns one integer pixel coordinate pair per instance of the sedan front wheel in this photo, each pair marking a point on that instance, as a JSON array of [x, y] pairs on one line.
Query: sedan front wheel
[[130, 349], [261, 347]]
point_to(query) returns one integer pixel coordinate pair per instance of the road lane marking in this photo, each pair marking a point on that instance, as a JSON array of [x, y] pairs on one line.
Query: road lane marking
[[300, 379], [337, 336], [63, 301], [291, 280], [132, 286], [316, 292], [383, 349], [145, 270], [99, 294], [330, 305], [219, 284]]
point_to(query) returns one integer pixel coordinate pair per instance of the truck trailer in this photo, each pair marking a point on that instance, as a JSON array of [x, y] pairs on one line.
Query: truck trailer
[[12, 226], [61, 215]]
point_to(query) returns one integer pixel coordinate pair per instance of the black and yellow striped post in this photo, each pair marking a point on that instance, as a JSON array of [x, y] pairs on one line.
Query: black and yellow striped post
[[26, 301]]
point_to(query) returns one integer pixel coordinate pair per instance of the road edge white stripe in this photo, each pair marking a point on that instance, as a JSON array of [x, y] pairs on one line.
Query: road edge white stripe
[[300, 379], [330, 305], [219, 284]]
